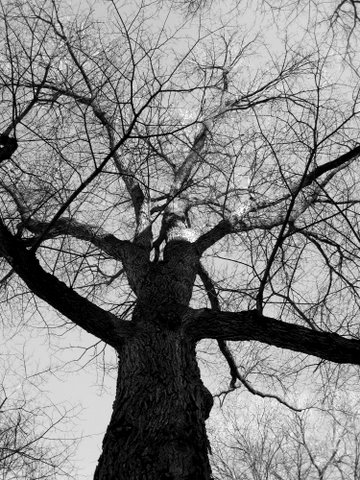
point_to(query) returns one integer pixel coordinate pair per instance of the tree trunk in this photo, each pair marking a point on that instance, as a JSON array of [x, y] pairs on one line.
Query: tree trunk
[[157, 428]]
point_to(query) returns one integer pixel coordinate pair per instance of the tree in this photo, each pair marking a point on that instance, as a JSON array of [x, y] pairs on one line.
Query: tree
[[147, 165], [33, 442], [27, 449], [278, 447]]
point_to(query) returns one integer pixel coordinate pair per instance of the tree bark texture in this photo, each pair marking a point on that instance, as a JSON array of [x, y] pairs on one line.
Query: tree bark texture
[[157, 428]]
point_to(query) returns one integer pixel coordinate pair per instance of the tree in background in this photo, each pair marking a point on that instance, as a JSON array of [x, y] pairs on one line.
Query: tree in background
[[313, 445], [166, 181], [34, 439]]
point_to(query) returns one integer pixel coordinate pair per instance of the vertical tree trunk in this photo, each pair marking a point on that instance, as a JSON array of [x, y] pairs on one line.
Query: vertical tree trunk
[[157, 428]]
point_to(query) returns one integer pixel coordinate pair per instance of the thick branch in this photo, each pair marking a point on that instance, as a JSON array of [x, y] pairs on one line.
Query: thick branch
[[269, 214], [101, 239], [332, 165], [81, 311], [251, 325], [134, 258]]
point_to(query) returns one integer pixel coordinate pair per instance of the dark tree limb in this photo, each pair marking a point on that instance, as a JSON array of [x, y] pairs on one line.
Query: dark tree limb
[[104, 325], [128, 253], [9, 145], [104, 241], [251, 325]]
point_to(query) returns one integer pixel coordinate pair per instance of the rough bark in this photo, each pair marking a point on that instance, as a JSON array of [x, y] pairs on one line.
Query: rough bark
[[157, 429]]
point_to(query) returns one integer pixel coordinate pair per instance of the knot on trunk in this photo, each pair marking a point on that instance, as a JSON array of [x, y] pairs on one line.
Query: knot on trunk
[[171, 316]]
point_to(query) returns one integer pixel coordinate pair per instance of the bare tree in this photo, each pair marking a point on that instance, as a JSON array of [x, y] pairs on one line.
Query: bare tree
[[34, 443], [313, 445], [149, 164]]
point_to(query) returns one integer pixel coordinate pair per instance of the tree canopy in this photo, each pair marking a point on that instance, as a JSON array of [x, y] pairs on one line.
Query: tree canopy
[[202, 167]]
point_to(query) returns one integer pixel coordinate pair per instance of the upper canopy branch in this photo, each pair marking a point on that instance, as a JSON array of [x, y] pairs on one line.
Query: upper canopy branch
[[264, 92], [99, 237], [81, 311], [177, 207], [121, 250], [251, 325], [133, 187], [266, 214]]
